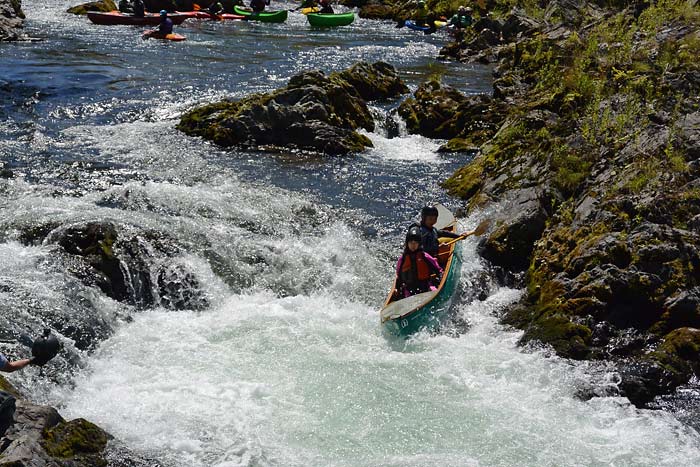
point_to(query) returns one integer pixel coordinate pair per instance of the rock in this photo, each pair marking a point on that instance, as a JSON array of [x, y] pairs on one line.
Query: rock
[[373, 82], [519, 224], [11, 17], [124, 263], [376, 11], [518, 23], [6, 173], [438, 111], [641, 381], [313, 112], [680, 349], [101, 5], [41, 437]]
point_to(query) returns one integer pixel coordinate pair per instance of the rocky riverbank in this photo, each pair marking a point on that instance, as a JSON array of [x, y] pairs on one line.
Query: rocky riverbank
[[590, 147], [11, 19]]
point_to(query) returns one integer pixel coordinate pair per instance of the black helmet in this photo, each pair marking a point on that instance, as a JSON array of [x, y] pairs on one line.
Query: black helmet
[[414, 234], [45, 347], [428, 211]]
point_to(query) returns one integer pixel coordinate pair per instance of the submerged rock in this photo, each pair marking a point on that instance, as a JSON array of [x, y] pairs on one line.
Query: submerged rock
[[313, 112]]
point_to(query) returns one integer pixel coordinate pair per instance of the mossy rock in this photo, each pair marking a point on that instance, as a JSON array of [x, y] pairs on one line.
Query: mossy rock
[[458, 145], [468, 180], [568, 339], [102, 5], [6, 386], [78, 438], [376, 11], [680, 351]]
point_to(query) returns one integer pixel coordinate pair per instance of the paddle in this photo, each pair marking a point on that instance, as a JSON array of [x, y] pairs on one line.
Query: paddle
[[480, 229]]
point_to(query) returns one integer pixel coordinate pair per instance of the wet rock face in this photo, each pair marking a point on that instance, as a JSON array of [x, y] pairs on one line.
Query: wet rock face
[[130, 266], [313, 112], [11, 17]]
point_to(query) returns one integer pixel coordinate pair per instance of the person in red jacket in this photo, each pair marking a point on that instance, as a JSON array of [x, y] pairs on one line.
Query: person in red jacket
[[416, 269]]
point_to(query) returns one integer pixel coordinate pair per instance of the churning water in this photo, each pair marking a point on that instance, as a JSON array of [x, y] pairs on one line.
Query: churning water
[[286, 365]]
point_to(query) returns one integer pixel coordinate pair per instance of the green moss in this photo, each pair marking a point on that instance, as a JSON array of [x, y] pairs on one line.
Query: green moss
[[78, 437], [101, 5], [568, 339], [468, 180]]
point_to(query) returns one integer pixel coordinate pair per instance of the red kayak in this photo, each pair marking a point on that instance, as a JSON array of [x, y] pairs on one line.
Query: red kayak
[[117, 18], [201, 14]]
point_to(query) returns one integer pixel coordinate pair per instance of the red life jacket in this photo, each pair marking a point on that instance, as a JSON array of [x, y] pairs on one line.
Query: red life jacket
[[412, 273]]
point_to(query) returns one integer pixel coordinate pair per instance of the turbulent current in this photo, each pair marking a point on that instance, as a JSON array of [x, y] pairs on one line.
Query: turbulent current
[[286, 364]]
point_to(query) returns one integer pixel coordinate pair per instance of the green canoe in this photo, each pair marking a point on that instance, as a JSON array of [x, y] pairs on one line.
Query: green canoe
[[426, 310], [329, 20], [264, 16]]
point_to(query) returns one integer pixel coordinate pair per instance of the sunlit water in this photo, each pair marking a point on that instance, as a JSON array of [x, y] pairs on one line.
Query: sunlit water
[[287, 366]]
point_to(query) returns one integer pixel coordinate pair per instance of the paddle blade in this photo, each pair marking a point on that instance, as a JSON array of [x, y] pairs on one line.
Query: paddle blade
[[482, 227]]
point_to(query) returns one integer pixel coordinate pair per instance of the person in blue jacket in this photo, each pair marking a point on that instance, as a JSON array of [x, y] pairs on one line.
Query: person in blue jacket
[[166, 24]]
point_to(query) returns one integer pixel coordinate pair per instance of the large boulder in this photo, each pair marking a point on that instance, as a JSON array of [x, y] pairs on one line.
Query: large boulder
[[101, 5], [11, 17], [313, 112], [439, 111]]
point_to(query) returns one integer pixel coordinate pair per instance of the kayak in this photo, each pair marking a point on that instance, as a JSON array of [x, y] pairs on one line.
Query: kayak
[[115, 17], [410, 24], [166, 37], [426, 310], [329, 20], [264, 16], [310, 9]]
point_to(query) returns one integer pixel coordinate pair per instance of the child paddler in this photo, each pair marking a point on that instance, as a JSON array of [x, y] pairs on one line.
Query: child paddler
[[416, 268], [429, 234]]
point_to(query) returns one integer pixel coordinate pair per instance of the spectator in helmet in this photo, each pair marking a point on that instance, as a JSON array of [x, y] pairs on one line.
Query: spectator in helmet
[[258, 5], [462, 19], [139, 8], [416, 270], [326, 7], [429, 234]]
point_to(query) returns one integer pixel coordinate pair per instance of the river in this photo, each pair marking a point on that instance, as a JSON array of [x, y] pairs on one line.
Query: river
[[287, 365]]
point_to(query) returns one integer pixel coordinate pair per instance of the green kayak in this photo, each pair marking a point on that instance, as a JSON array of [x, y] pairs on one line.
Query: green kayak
[[328, 20], [264, 16], [426, 310]]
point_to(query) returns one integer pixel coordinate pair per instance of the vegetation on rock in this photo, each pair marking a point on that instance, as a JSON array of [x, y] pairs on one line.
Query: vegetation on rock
[[596, 165]]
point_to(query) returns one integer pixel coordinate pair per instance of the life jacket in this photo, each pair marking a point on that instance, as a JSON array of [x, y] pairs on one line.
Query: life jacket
[[414, 268]]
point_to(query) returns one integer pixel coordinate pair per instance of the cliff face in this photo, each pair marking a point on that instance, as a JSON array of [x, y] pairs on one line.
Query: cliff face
[[594, 165], [11, 17]]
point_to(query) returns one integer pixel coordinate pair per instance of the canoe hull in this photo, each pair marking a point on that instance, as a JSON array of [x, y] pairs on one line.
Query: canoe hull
[[432, 315], [427, 310], [115, 18], [264, 16], [330, 20]]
